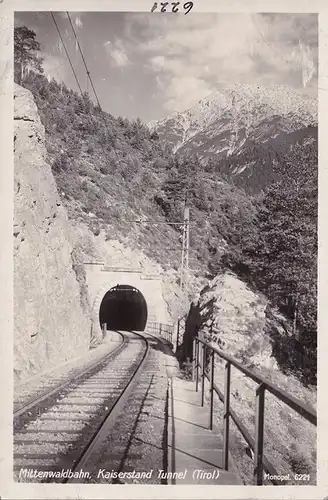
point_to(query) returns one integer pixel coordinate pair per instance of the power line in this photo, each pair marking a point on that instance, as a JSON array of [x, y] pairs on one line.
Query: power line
[[78, 83], [83, 59], [186, 222], [67, 54], [73, 70], [90, 79], [156, 222]]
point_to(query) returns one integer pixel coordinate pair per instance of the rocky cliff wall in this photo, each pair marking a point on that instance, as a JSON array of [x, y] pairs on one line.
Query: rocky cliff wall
[[51, 317], [233, 316], [54, 317]]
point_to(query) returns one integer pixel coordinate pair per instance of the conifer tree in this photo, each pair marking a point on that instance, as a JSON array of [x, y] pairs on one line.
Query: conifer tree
[[26, 53]]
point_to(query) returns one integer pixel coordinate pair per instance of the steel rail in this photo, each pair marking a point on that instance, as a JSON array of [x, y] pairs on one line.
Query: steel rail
[[108, 421], [75, 378]]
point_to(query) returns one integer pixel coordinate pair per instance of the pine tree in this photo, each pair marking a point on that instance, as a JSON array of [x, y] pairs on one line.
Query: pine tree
[[281, 258], [26, 49]]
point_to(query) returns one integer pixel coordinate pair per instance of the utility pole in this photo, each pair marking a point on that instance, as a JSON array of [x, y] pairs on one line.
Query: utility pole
[[184, 269], [185, 252]]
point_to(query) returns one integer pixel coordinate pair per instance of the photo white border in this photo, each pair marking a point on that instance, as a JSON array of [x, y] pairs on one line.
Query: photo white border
[[8, 488]]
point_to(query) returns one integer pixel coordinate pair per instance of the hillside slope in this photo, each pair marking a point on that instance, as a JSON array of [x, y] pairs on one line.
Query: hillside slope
[[113, 175], [256, 167], [100, 184]]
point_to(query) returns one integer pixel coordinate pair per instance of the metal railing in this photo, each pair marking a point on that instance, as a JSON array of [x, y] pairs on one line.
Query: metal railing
[[160, 330], [181, 326], [261, 463]]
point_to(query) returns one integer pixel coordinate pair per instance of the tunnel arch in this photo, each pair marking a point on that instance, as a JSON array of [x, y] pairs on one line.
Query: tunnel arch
[[123, 307]]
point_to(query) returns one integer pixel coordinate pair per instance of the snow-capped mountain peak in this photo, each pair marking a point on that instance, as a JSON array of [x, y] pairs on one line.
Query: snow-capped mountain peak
[[222, 123]]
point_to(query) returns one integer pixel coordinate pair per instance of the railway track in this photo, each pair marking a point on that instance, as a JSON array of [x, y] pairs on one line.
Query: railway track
[[59, 430], [134, 449], [51, 385]]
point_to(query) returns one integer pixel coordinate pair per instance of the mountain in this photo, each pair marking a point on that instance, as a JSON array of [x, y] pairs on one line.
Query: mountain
[[237, 118], [256, 167], [112, 173]]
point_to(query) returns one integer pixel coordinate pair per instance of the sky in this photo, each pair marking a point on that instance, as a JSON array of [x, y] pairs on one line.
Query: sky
[[152, 65]]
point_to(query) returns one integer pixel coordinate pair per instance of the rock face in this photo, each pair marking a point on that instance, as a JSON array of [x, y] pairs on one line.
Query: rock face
[[51, 319], [227, 120], [240, 129], [233, 317], [235, 320]]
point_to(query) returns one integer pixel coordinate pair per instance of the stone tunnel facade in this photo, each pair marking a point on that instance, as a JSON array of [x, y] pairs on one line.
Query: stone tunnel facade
[[101, 278]]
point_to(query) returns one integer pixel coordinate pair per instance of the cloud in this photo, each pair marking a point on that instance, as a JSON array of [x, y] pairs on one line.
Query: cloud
[[76, 17], [157, 62], [160, 82], [78, 22], [117, 52], [290, 45], [182, 91], [308, 66], [202, 53]]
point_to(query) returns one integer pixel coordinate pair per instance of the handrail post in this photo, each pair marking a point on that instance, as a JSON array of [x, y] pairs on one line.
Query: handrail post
[[259, 435], [211, 390], [193, 359], [178, 331], [197, 363], [226, 416], [203, 372]]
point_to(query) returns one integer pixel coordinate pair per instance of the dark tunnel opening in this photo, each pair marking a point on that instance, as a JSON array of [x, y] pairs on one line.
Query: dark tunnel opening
[[123, 308]]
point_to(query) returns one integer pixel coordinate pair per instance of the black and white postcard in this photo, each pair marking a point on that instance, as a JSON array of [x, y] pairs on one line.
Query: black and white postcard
[[163, 176]]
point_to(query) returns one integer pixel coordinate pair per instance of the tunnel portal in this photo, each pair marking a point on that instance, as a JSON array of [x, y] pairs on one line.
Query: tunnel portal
[[123, 308]]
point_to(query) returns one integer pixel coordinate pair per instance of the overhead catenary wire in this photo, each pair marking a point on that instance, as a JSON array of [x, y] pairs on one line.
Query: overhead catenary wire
[[182, 223], [77, 80], [67, 54], [156, 222], [83, 59], [71, 64], [90, 79]]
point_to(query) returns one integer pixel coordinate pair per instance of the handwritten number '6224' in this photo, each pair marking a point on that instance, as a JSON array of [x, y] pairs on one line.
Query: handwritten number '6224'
[[175, 6]]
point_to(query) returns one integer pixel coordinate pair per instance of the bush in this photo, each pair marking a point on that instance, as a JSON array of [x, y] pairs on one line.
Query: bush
[[61, 163], [61, 123]]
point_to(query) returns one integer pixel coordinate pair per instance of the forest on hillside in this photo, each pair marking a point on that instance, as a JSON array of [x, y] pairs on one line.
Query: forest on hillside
[[111, 171]]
